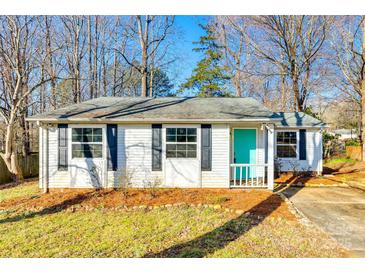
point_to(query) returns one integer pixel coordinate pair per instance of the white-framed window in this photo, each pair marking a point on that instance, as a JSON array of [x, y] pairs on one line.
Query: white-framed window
[[87, 142], [181, 142], [286, 144]]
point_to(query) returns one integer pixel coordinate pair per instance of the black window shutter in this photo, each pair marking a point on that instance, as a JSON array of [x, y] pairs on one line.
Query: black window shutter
[[62, 147], [156, 147], [206, 147], [112, 140], [302, 144]]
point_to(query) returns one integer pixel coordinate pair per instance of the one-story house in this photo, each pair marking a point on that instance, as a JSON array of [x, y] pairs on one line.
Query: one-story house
[[174, 142]]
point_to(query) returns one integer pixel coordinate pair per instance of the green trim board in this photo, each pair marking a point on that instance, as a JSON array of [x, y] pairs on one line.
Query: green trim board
[[244, 149]]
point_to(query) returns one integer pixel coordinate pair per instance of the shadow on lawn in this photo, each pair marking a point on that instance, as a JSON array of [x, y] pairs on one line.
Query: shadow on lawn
[[230, 231], [52, 209]]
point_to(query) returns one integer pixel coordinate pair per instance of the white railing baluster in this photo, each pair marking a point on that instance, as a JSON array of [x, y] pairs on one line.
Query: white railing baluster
[[234, 174], [240, 175], [252, 178]]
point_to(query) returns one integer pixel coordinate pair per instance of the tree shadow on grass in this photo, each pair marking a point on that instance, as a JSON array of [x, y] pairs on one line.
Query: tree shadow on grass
[[50, 210], [220, 237]]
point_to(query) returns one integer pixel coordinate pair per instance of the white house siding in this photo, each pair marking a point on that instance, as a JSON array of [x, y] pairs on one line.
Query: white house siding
[[135, 156], [313, 162], [57, 179], [219, 175]]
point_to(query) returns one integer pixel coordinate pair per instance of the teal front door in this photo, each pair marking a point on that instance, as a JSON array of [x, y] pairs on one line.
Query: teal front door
[[244, 149]]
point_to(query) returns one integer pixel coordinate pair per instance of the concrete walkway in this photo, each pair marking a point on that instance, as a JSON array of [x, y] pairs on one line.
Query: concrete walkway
[[338, 211]]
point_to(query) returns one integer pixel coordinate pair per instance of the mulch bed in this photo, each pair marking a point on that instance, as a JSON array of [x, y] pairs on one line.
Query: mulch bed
[[335, 175], [256, 202]]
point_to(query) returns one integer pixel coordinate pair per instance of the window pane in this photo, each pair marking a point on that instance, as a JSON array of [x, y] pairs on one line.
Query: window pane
[[97, 151], [192, 131], [286, 138], [181, 147], [170, 147], [171, 154], [191, 139], [181, 138], [76, 151], [191, 153], [286, 151], [97, 138], [87, 135], [171, 131], [77, 134], [171, 138], [87, 150], [181, 131], [191, 147], [97, 131], [181, 154], [77, 147]]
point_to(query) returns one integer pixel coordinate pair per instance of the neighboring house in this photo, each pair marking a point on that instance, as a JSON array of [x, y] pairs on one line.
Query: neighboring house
[[345, 134], [174, 142]]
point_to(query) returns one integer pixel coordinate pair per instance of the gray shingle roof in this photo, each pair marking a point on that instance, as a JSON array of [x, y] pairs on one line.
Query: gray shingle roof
[[164, 109], [297, 119], [160, 109]]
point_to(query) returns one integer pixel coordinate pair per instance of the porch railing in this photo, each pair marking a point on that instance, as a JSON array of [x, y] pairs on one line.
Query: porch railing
[[249, 175]]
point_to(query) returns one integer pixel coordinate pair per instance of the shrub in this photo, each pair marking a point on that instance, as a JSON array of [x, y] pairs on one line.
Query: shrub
[[352, 142], [125, 181], [153, 186]]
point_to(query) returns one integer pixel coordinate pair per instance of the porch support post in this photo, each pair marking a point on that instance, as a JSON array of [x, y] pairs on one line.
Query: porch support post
[[43, 157], [270, 156], [40, 156]]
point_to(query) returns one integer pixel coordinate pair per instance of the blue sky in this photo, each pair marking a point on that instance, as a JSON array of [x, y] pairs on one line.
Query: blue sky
[[189, 32]]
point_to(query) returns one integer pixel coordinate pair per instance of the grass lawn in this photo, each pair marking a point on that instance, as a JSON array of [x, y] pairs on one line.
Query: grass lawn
[[338, 160], [164, 232], [26, 189]]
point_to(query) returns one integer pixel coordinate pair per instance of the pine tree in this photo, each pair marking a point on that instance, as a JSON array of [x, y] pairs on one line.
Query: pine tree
[[209, 77]]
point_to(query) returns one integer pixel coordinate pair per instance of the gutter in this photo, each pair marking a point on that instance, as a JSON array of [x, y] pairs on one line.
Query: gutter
[[111, 121]]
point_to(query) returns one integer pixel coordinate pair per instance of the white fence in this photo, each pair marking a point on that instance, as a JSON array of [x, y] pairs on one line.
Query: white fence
[[249, 175]]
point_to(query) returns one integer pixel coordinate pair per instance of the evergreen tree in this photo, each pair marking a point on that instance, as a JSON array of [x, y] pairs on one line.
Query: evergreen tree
[[209, 77], [161, 84]]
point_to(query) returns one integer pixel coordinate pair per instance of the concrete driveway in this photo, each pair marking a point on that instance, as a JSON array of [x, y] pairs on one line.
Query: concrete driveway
[[338, 211]]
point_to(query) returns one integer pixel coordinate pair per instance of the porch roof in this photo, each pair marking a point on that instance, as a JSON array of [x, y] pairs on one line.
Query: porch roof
[[297, 119], [163, 109]]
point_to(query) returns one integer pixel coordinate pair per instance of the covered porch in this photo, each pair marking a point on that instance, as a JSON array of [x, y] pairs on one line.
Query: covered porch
[[252, 156]]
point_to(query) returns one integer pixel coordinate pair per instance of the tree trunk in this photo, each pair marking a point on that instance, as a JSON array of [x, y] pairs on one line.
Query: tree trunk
[[297, 100], [114, 72], [144, 83], [91, 86], [143, 37], [96, 46], [104, 75], [151, 82], [50, 63], [10, 156], [237, 81]]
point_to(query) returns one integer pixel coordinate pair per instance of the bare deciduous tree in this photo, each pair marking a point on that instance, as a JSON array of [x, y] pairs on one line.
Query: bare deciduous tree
[[348, 41], [151, 32], [19, 59], [292, 46], [75, 40]]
